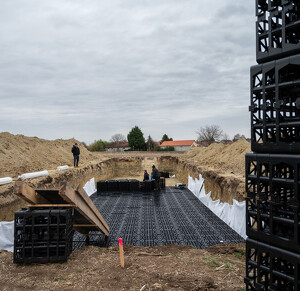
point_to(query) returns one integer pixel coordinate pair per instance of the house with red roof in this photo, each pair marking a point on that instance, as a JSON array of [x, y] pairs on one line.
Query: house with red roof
[[179, 145]]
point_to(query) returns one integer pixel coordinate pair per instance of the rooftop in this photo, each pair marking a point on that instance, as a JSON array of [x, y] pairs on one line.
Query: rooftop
[[177, 143]]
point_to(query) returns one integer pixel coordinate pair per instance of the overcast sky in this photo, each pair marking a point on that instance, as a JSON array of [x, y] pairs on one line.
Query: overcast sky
[[90, 69]]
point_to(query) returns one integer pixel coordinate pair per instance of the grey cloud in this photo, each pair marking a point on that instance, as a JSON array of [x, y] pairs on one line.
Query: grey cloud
[[90, 69]]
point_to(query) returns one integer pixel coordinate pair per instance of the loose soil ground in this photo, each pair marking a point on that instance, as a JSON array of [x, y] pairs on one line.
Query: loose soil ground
[[157, 268]]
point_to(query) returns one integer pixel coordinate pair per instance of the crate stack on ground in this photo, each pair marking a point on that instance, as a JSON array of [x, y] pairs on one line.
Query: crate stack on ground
[[44, 231], [131, 185], [43, 235], [273, 169]]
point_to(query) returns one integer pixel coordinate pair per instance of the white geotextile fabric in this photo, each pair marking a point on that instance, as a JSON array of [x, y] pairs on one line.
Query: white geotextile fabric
[[7, 235], [234, 215], [89, 187], [33, 175], [5, 180], [62, 168]]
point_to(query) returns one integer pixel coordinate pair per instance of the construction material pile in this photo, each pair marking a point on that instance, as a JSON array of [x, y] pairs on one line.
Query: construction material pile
[[272, 171]]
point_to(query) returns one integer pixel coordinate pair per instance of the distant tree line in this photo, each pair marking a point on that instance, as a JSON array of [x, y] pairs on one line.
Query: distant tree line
[[207, 135], [135, 139]]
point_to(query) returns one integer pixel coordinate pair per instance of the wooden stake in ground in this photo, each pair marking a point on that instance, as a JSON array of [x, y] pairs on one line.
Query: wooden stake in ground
[[121, 252]]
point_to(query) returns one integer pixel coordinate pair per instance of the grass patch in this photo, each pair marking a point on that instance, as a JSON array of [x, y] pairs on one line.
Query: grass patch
[[215, 263], [238, 255], [212, 262]]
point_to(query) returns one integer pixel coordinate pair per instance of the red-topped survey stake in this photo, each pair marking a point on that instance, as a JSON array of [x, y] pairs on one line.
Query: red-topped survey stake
[[121, 252]]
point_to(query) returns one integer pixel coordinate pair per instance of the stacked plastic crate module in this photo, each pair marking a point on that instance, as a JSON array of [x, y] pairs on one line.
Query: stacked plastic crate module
[[43, 235], [273, 169]]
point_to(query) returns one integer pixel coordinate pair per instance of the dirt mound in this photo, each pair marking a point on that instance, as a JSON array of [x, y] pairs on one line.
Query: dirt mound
[[228, 158], [20, 154], [169, 267]]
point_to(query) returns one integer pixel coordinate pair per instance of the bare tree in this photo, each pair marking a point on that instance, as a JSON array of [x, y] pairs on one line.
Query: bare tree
[[225, 136], [210, 133], [117, 138], [150, 143], [238, 136]]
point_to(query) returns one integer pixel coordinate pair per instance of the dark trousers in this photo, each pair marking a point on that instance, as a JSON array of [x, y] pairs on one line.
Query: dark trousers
[[76, 160], [157, 186]]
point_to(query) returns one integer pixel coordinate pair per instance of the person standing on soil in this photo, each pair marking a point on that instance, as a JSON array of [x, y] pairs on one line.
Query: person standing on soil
[[146, 176], [156, 177], [76, 153]]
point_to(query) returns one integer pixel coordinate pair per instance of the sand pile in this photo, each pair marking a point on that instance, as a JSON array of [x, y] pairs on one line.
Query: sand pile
[[229, 158], [20, 154]]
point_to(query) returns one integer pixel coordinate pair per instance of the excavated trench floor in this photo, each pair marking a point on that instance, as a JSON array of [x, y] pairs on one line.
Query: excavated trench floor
[[171, 216]]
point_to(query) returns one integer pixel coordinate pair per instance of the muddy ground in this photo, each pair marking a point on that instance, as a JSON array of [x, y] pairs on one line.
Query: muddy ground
[[146, 268]]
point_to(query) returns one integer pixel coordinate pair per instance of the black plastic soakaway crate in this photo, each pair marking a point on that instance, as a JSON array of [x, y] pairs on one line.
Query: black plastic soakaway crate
[[43, 235], [273, 177], [277, 29], [271, 268], [272, 186], [146, 186], [275, 106], [102, 186]]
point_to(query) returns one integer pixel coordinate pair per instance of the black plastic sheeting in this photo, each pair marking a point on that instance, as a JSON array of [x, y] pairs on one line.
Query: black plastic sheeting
[[171, 216]]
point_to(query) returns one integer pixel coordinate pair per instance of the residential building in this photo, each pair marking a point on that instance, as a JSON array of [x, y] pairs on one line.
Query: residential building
[[179, 145]]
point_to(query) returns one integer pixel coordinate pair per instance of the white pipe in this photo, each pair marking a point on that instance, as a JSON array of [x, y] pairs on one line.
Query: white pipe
[[61, 168], [5, 180], [33, 175]]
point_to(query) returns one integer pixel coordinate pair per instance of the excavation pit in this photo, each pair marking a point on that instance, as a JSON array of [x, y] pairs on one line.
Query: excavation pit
[[171, 216]]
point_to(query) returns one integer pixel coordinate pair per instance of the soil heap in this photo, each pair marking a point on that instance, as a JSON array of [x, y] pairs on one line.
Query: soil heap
[[20, 154], [227, 158]]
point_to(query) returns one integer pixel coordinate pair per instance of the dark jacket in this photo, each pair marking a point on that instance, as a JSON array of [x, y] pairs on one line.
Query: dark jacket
[[75, 150], [155, 173], [146, 177]]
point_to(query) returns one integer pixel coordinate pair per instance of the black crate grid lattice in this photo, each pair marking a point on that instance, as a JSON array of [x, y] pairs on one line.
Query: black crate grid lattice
[[277, 29], [43, 235], [272, 203], [275, 106]]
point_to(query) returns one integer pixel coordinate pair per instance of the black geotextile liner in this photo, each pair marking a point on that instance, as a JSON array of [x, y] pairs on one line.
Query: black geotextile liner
[[171, 216]]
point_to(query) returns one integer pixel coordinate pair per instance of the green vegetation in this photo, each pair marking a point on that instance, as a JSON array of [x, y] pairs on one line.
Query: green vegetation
[[167, 149], [238, 255], [136, 139], [97, 146], [165, 138], [211, 262]]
